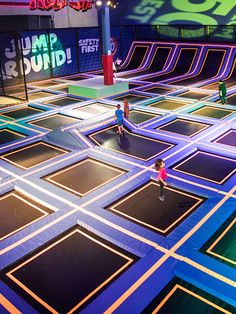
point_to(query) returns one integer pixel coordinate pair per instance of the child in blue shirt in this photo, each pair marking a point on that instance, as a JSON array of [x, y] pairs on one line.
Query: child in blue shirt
[[119, 118]]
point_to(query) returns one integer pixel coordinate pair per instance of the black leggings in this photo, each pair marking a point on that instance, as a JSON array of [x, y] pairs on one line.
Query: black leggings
[[161, 190]]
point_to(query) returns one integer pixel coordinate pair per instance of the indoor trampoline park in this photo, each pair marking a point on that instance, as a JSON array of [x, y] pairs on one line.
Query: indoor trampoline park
[[118, 157]]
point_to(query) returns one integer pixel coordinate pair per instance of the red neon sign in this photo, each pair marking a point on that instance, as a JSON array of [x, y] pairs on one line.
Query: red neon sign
[[56, 5]]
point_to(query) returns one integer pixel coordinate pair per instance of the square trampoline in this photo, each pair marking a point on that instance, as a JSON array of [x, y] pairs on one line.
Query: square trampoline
[[143, 207], [138, 117], [54, 122], [228, 138], [39, 95], [207, 166], [33, 154], [168, 104], [21, 113], [183, 127], [131, 98], [222, 244], [129, 143], [93, 109], [158, 90], [84, 177], [213, 112], [194, 95], [182, 297], [17, 212], [46, 83], [7, 136], [64, 101], [63, 88], [85, 262]]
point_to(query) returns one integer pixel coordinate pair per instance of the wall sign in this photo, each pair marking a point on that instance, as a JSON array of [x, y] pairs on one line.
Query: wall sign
[[56, 5]]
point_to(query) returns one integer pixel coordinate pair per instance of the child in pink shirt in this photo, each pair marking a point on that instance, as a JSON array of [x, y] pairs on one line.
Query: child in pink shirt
[[162, 176]]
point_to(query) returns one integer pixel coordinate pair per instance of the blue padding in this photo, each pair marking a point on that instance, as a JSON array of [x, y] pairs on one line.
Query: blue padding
[[16, 300]]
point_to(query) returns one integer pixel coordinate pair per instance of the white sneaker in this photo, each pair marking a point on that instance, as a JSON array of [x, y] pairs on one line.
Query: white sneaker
[[161, 198]]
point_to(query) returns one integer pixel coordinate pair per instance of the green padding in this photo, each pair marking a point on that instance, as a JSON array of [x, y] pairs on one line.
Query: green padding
[[98, 91]]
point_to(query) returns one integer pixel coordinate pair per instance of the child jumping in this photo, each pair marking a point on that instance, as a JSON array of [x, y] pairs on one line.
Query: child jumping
[[126, 108], [119, 117], [162, 176]]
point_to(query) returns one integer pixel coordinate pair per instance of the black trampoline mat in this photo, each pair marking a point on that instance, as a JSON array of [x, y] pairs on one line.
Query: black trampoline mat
[[84, 176], [143, 206], [129, 143], [32, 155], [228, 138], [184, 127], [39, 95], [7, 135], [64, 101], [194, 95], [76, 78], [21, 113], [213, 112], [54, 121], [158, 90], [17, 212], [138, 117], [46, 83], [61, 88], [222, 244], [95, 108], [14, 89], [133, 85], [69, 272], [168, 104], [131, 98], [207, 166], [181, 297], [231, 100]]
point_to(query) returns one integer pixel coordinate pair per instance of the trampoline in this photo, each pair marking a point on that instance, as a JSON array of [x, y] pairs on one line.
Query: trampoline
[[7, 136], [46, 83], [54, 122], [17, 212], [75, 78], [168, 104], [63, 101], [228, 138], [39, 95], [84, 177], [157, 64], [194, 95], [158, 90], [231, 99], [94, 109], [21, 113], [6, 101], [15, 89], [181, 297], [138, 117], [61, 88], [137, 57], [132, 98], [143, 207], [129, 143], [213, 112], [208, 69], [229, 80], [79, 265], [222, 244], [133, 85], [183, 64], [207, 166], [183, 127], [32, 155]]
